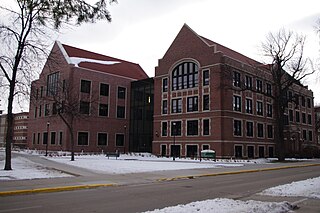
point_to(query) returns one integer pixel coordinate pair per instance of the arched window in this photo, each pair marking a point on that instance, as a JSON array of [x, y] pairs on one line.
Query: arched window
[[185, 75]]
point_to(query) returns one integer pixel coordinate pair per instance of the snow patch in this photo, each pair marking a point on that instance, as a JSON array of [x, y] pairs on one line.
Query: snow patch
[[77, 60]]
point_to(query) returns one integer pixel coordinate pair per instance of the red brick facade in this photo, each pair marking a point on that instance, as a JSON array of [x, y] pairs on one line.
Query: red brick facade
[[211, 112], [77, 68]]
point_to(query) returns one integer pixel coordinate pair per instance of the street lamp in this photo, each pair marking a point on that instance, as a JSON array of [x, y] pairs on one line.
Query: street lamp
[[48, 124], [174, 140]]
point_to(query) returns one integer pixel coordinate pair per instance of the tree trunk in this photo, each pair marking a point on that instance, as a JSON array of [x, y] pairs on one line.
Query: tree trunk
[[279, 127], [72, 144]]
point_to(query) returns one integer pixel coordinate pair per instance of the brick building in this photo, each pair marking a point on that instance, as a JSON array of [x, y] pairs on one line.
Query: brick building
[[20, 129], [98, 85], [317, 120], [198, 103]]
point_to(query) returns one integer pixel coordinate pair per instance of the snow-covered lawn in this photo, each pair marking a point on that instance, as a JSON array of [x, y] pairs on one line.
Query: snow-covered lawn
[[25, 169]]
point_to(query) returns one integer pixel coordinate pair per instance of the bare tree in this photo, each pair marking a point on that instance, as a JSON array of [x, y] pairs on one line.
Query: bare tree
[[23, 41]]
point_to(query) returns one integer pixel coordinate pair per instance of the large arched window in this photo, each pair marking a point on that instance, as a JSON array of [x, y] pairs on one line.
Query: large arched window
[[185, 75]]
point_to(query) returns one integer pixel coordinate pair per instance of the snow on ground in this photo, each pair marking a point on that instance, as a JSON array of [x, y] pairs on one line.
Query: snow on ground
[[25, 169], [137, 163], [308, 188], [222, 205]]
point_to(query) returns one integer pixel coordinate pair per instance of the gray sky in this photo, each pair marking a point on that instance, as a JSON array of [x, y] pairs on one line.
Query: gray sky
[[142, 30]]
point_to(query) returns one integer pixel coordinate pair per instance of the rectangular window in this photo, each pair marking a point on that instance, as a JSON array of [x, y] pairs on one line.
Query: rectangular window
[[205, 77], [249, 129], [53, 138], [52, 84], [304, 118], [54, 108], [237, 129], [269, 110], [38, 139], [84, 107], [104, 89], [121, 93], [40, 110], [45, 138], [260, 130], [121, 111], [176, 105], [259, 108], [83, 138], [236, 103], [205, 127], [236, 79], [120, 140], [269, 89], [269, 131], [165, 85], [46, 109], [290, 95], [290, 115], [192, 104], [205, 104], [297, 116], [34, 138], [308, 102], [303, 101], [85, 86], [248, 106], [103, 109], [259, 85], [304, 134], [248, 82], [60, 138], [165, 107], [310, 135], [102, 139], [192, 127], [164, 131], [309, 119], [175, 128]]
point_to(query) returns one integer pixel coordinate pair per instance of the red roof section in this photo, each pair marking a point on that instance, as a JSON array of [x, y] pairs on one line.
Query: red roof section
[[231, 53], [124, 68]]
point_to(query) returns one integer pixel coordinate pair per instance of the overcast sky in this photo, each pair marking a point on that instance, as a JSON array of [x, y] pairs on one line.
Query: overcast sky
[[141, 31]]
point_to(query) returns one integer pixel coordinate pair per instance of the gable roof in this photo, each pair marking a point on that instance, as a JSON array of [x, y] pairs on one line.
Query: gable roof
[[94, 61]]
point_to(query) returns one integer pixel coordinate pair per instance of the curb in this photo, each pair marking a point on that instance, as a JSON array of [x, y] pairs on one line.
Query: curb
[[235, 172], [54, 189]]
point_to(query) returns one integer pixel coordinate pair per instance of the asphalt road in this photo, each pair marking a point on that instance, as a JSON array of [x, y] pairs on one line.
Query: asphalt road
[[149, 196]]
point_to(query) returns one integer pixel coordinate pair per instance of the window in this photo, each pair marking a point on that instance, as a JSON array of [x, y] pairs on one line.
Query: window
[[45, 138], [259, 108], [269, 131], [205, 76], [290, 115], [165, 85], [102, 139], [269, 89], [84, 107], [184, 76], [46, 109], [304, 118], [85, 86], [205, 100], [249, 129], [236, 79], [104, 89], [248, 106], [192, 104], [310, 135], [237, 130], [308, 102], [121, 111], [53, 138], [175, 128], [121, 93], [260, 130], [304, 134], [35, 112], [259, 85], [192, 127], [248, 82], [297, 116], [83, 138], [34, 138], [236, 103], [176, 105], [54, 108], [269, 110], [40, 110], [60, 138], [309, 119], [52, 84], [205, 127], [165, 107], [38, 139], [164, 131], [103, 109], [303, 101], [119, 139]]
